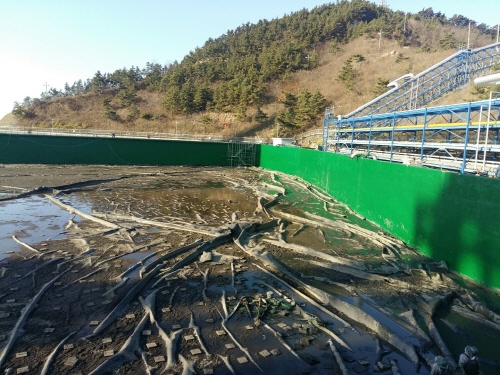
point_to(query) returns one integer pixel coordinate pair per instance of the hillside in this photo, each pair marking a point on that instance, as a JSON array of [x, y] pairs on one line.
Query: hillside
[[283, 71]]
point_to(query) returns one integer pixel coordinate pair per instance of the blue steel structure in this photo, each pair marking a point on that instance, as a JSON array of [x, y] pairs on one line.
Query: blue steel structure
[[458, 132], [442, 78], [393, 122]]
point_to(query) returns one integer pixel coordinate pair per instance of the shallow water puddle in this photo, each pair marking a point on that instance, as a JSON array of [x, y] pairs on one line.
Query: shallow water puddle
[[32, 220]]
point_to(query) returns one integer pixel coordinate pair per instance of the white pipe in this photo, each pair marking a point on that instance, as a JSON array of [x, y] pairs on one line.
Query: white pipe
[[478, 133], [489, 80], [487, 132]]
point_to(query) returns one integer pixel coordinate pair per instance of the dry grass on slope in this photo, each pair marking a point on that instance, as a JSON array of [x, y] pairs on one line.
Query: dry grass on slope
[[389, 63]]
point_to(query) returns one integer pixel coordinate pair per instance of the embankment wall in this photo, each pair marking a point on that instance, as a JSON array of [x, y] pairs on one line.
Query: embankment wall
[[40, 149], [445, 215]]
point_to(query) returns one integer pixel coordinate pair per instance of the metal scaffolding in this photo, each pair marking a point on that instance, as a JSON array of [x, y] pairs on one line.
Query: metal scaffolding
[[241, 154], [463, 137]]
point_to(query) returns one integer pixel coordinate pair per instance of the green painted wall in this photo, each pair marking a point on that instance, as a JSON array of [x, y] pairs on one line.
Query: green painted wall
[[445, 215], [37, 149]]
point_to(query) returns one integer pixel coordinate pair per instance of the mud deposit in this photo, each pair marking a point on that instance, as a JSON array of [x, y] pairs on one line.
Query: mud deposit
[[131, 270]]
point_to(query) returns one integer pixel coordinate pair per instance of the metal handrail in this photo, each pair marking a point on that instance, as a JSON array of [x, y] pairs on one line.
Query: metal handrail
[[127, 134]]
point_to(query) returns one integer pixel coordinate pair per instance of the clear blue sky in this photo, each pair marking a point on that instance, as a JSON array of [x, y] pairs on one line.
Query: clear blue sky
[[58, 41]]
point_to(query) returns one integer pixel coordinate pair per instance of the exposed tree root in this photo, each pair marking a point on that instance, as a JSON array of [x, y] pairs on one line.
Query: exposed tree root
[[120, 307], [481, 309], [318, 254], [169, 255], [111, 293], [73, 210], [395, 367], [25, 245], [474, 316], [338, 359], [52, 355], [283, 342], [440, 342], [197, 333], [209, 231], [148, 304], [126, 353], [170, 344], [187, 366], [25, 312], [225, 359], [146, 366]]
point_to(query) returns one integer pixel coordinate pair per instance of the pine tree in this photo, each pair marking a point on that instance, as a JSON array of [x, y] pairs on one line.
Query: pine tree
[[260, 116]]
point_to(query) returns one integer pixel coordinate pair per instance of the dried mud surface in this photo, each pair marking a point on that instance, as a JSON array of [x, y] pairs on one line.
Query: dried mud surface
[[214, 270]]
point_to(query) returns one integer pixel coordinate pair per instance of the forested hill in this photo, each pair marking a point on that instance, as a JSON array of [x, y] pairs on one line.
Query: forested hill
[[281, 71]]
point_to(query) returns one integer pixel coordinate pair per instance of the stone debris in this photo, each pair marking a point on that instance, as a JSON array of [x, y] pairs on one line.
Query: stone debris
[[195, 351], [206, 257], [109, 353], [71, 361], [264, 353], [159, 359], [275, 352]]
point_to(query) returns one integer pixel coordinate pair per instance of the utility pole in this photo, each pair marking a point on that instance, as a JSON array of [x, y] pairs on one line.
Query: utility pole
[[46, 84], [379, 40], [468, 38]]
